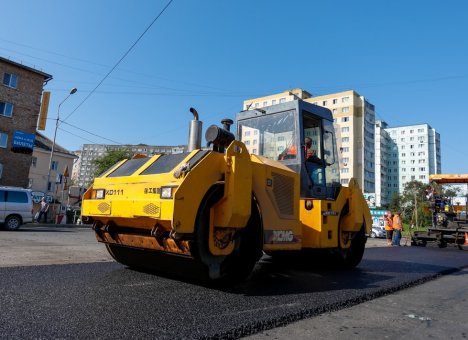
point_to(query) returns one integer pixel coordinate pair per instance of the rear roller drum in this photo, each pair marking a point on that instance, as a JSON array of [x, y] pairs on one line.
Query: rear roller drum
[[351, 256], [350, 249]]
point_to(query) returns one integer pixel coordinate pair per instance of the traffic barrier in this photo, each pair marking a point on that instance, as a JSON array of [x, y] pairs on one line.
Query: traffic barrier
[[466, 239]]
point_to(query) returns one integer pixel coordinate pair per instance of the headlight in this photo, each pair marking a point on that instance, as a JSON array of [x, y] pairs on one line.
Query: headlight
[[100, 193], [166, 192]]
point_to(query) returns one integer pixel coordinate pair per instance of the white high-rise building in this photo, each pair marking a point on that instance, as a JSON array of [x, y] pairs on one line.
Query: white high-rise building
[[414, 154]]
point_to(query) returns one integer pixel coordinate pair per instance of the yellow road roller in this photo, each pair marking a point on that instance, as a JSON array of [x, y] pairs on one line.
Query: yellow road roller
[[274, 189]]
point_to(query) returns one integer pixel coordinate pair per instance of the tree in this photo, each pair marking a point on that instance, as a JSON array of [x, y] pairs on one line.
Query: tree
[[395, 202], [110, 158], [415, 204]]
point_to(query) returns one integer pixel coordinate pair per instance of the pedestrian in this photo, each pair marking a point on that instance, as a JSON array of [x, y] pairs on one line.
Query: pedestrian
[[388, 225], [43, 211], [397, 229]]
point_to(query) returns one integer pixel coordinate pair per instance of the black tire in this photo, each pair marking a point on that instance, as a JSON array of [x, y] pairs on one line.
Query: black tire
[[13, 222], [349, 258], [247, 250]]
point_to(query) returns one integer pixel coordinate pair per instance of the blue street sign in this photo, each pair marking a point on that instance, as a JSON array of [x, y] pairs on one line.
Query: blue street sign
[[23, 140]]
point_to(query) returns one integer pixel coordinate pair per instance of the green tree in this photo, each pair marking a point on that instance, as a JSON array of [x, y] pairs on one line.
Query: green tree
[[395, 202], [415, 203], [110, 158]]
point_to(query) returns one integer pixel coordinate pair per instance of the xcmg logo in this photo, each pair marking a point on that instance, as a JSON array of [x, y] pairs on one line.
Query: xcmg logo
[[279, 236]]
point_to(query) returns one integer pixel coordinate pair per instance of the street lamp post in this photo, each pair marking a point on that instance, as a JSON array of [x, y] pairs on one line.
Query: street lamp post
[[72, 91]]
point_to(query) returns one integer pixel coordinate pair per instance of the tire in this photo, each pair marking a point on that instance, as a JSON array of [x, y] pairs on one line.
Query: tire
[[13, 222], [247, 251], [349, 258]]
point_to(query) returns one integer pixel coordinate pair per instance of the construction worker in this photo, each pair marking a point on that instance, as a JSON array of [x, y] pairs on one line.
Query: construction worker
[[289, 153], [388, 226], [397, 228]]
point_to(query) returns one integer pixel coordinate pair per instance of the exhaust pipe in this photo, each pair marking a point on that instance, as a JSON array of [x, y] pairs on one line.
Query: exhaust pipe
[[195, 132]]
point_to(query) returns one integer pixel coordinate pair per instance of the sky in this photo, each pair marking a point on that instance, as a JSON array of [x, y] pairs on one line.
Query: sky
[[408, 58]]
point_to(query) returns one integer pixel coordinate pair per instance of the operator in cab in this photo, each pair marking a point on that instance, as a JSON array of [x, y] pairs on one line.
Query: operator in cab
[[310, 154]]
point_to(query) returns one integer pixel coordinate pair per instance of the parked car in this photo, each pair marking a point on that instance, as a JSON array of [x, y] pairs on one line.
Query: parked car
[[377, 232], [16, 207]]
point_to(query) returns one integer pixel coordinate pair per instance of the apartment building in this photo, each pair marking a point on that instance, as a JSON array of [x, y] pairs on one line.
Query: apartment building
[[354, 119], [415, 155], [20, 101], [83, 169], [39, 169], [384, 146]]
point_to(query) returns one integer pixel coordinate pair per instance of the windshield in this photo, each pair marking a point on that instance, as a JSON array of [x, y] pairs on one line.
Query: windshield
[[303, 141], [272, 136]]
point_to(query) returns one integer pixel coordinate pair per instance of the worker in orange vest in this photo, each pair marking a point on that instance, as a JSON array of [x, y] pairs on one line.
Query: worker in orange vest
[[388, 225], [289, 153], [397, 229]]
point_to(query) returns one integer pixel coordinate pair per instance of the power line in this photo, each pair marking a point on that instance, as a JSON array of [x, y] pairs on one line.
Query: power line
[[81, 137], [121, 59], [91, 133]]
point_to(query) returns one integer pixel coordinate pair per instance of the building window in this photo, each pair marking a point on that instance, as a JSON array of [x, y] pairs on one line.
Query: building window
[[345, 99], [265, 104], [345, 129], [273, 102], [345, 119], [345, 170], [420, 130], [247, 133], [282, 100], [345, 139], [345, 109], [54, 165], [345, 160], [33, 161], [324, 103], [254, 151], [344, 181], [6, 109], [335, 101], [334, 111], [3, 140], [10, 80], [257, 104], [345, 149]]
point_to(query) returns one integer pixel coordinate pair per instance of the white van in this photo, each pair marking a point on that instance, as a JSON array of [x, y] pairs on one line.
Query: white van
[[16, 207]]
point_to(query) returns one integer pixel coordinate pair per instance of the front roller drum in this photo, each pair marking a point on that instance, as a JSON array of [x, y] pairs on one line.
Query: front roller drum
[[247, 241], [158, 262]]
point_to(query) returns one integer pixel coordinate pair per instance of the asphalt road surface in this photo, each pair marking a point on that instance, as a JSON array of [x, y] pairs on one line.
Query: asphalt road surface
[[97, 298]]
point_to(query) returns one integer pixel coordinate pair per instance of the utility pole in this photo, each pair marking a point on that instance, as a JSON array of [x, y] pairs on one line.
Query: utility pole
[[415, 206]]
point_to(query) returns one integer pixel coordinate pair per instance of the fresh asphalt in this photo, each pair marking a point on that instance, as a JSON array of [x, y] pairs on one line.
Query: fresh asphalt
[[108, 300]]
